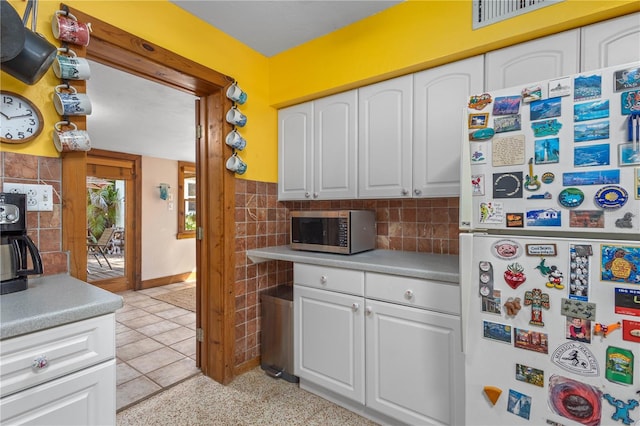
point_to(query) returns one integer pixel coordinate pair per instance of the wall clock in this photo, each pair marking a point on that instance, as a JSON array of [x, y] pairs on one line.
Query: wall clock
[[20, 120]]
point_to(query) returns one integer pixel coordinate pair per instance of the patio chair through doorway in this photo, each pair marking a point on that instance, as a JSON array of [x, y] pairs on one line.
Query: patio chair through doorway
[[100, 247]]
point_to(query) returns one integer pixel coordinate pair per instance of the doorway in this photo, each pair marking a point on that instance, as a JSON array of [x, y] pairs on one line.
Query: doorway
[[112, 202], [215, 248]]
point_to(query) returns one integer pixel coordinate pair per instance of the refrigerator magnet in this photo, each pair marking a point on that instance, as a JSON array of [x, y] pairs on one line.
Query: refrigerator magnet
[[515, 220], [542, 250], [506, 249], [538, 301], [478, 152], [512, 306], [544, 217], [620, 263], [586, 132], [519, 404], [531, 340], [478, 120], [591, 110], [574, 400], [531, 182], [485, 279], [587, 87], [626, 221], [619, 365], [478, 102], [531, 93], [514, 276], [491, 212], [491, 302], [560, 87], [578, 309], [506, 105], [631, 330], [578, 329], [626, 79], [629, 153], [622, 408], [498, 332], [547, 151], [630, 102], [571, 197], [508, 151], [545, 108], [575, 357], [507, 185], [546, 128], [477, 185], [533, 376], [627, 301], [507, 123], [591, 156], [586, 219], [599, 177], [579, 277]]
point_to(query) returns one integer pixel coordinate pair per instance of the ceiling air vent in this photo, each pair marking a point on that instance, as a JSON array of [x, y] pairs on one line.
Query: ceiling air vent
[[487, 12]]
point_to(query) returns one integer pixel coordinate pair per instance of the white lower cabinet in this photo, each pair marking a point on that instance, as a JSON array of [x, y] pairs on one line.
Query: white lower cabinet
[[385, 353], [64, 375]]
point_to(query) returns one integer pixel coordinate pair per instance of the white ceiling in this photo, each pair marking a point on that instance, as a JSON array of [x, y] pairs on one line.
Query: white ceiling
[[137, 116]]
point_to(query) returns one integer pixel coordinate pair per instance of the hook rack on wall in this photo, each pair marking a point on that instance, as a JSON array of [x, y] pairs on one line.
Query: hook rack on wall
[[237, 119]]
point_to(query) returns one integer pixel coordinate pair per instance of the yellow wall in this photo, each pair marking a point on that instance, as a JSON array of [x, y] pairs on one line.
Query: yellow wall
[[414, 35]]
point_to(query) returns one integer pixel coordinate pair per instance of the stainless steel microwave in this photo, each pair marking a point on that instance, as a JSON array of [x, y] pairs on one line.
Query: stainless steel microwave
[[333, 231]]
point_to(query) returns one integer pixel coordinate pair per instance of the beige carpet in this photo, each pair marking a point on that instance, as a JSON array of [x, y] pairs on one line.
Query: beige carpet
[[185, 298]]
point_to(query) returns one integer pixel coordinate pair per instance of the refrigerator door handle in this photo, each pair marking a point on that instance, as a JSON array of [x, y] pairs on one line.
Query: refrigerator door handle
[[466, 254]]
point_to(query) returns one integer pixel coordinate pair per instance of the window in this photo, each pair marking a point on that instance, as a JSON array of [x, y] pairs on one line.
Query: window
[[186, 200]]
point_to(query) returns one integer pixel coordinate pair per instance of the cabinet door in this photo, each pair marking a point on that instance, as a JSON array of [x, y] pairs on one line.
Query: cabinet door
[[541, 59], [612, 42], [328, 340], [334, 139], [384, 139], [440, 95], [415, 367], [295, 145], [83, 398]]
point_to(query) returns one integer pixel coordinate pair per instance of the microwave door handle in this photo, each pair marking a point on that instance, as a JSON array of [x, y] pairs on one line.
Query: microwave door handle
[[33, 252]]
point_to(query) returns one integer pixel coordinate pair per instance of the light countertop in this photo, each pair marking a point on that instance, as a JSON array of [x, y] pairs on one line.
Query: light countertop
[[439, 267], [51, 301]]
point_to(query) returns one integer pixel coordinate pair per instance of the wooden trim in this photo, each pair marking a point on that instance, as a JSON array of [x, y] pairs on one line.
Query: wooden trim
[[191, 169], [215, 284], [246, 366], [169, 279]]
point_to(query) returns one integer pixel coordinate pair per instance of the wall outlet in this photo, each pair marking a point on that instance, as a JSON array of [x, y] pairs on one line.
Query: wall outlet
[[39, 197]]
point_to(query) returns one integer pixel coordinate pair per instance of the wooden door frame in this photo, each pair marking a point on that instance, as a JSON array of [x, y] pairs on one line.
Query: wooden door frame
[[215, 254], [133, 217]]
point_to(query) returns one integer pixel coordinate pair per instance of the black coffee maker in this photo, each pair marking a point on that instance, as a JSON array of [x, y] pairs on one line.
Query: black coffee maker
[[15, 244]]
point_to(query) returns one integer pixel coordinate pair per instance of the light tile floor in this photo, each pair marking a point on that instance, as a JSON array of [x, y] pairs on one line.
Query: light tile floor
[[155, 345]]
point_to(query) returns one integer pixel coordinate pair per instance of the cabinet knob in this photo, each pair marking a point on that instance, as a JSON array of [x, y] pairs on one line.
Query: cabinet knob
[[323, 279], [315, 195], [408, 294], [417, 191], [355, 307], [307, 195], [40, 362], [368, 310], [405, 191]]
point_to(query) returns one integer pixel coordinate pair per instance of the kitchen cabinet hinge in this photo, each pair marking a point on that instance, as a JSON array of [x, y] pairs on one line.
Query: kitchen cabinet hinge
[[199, 335], [198, 131], [199, 233]]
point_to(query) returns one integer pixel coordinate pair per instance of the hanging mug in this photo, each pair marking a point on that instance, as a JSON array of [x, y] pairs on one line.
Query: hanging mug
[[235, 117], [235, 140], [66, 27], [236, 165], [236, 94], [71, 67], [72, 102], [70, 140]]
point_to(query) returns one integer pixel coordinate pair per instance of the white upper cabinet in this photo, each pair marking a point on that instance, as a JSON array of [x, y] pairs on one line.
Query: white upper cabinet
[[317, 149], [612, 42], [439, 95], [335, 146], [540, 59], [384, 139], [295, 152]]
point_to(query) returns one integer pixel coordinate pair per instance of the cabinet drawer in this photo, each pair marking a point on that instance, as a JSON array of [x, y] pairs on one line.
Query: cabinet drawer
[[62, 350], [328, 278], [433, 295]]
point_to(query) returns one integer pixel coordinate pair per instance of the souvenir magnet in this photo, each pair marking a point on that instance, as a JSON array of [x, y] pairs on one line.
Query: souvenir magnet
[[544, 217], [531, 340], [485, 278], [626, 79], [519, 404], [491, 212], [571, 197], [507, 185], [506, 249], [620, 263], [531, 93], [515, 220], [576, 358], [541, 250], [491, 303], [622, 408], [586, 219], [625, 221], [493, 393], [585, 132], [538, 301], [477, 185], [631, 330], [545, 108], [531, 182], [630, 103], [619, 365], [611, 197], [496, 331], [560, 87], [591, 110], [478, 120], [578, 309], [506, 105], [627, 301], [545, 196], [478, 102], [546, 128], [555, 278], [579, 277], [512, 306], [547, 151], [592, 155], [507, 123], [530, 375], [548, 177], [481, 134], [514, 275], [605, 329], [578, 329], [587, 87], [574, 400], [542, 267]]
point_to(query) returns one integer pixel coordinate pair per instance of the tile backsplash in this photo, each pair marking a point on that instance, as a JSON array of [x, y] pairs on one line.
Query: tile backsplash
[[419, 225], [44, 228]]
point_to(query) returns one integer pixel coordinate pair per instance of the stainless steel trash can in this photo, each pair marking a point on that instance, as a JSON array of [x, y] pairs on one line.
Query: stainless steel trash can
[[277, 333]]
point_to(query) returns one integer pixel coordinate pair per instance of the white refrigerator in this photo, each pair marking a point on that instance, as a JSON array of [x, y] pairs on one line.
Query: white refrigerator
[[550, 251]]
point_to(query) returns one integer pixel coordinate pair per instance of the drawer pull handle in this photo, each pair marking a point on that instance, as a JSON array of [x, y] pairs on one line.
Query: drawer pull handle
[[368, 310], [323, 279], [40, 362], [408, 294], [355, 307]]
